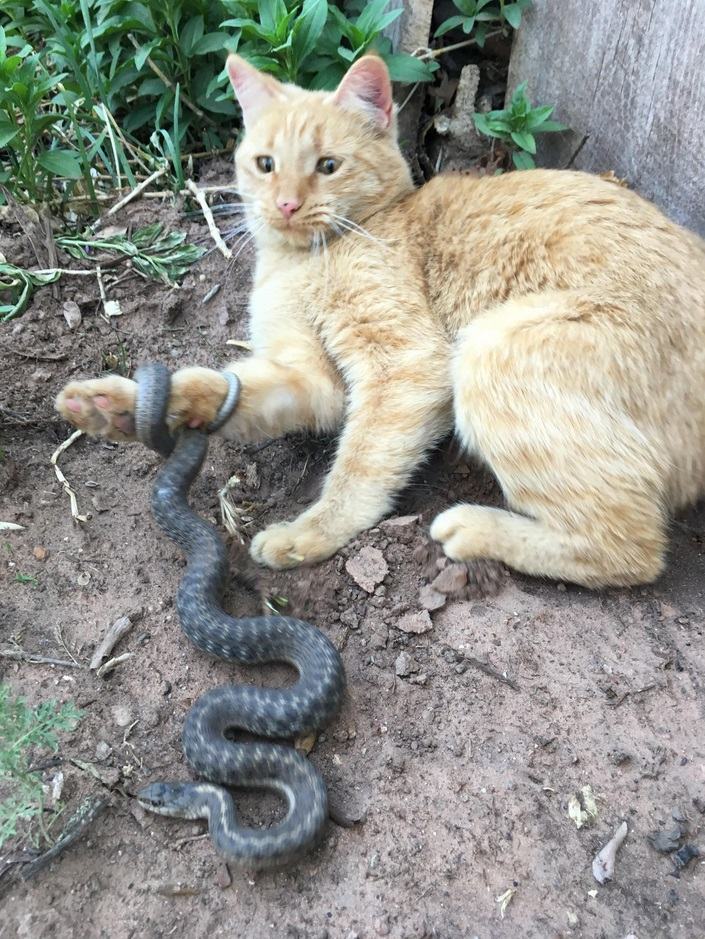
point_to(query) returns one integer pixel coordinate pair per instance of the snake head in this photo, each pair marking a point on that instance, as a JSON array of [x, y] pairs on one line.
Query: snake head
[[173, 799]]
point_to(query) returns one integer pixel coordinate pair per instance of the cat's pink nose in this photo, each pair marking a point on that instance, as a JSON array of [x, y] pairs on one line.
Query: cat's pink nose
[[288, 206]]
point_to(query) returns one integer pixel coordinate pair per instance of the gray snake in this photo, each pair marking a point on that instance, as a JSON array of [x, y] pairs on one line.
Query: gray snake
[[273, 713]]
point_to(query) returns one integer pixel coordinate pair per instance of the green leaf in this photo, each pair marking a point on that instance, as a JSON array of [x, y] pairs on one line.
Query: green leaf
[[407, 68], [191, 33], [538, 115], [522, 160], [271, 12], [308, 28], [143, 53], [468, 25], [524, 140], [211, 42], [61, 163], [348, 54], [8, 131], [512, 14], [549, 127], [448, 25], [373, 14]]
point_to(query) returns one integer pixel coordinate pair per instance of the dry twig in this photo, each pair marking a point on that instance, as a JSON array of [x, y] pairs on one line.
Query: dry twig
[[21, 656], [138, 190], [120, 628], [62, 479], [208, 215]]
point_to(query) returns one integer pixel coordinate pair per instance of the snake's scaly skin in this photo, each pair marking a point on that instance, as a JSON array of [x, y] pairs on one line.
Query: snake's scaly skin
[[266, 712]]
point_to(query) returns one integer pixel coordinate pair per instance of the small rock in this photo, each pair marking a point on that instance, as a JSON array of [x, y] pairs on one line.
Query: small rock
[[401, 521], [223, 877], [381, 926], [367, 568], [350, 619], [402, 665], [83, 579], [419, 679], [416, 622], [666, 841], [103, 750], [699, 804], [451, 579], [72, 314], [40, 553], [685, 855], [41, 374], [252, 480], [122, 715], [98, 504], [431, 599]]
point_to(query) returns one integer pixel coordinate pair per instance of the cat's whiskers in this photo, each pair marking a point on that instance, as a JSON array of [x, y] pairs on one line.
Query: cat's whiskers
[[325, 264], [253, 233], [356, 229]]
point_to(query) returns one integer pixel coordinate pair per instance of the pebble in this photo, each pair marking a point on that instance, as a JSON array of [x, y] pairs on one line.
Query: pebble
[[451, 579], [40, 552], [381, 926], [400, 521], [223, 877], [102, 750], [72, 314], [350, 619], [416, 622], [402, 665], [431, 599], [367, 568], [122, 715]]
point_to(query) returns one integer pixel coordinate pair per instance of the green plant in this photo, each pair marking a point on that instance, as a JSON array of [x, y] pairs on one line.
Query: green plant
[[477, 16], [95, 92], [158, 256], [517, 126], [19, 285], [31, 127], [314, 43], [24, 731], [26, 579]]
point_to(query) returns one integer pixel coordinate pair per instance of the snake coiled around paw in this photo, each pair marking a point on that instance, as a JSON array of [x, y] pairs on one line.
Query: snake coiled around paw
[[271, 713]]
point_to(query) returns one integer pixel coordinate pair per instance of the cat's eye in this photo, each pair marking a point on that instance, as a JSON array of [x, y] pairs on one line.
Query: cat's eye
[[265, 164], [327, 165]]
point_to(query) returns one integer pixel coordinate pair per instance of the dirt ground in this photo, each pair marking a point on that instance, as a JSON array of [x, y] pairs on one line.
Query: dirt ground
[[461, 778]]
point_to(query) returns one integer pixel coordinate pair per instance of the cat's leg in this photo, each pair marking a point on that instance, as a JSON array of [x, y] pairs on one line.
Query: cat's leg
[[392, 422], [537, 396], [276, 397]]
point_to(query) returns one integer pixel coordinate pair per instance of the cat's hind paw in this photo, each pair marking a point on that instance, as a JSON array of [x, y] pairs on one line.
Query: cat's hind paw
[[102, 407]]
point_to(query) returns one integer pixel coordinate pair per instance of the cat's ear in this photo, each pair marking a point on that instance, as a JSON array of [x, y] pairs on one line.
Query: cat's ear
[[254, 90], [366, 87]]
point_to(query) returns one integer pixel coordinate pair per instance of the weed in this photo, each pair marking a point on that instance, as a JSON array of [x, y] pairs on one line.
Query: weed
[[100, 86], [155, 255], [314, 44], [518, 125], [26, 579], [478, 16], [23, 731], [19, 286]]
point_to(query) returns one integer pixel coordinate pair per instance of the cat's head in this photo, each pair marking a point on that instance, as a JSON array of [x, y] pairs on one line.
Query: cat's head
[[314, 161]]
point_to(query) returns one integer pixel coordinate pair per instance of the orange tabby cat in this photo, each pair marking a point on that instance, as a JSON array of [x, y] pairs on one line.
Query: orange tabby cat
[[555, 320]]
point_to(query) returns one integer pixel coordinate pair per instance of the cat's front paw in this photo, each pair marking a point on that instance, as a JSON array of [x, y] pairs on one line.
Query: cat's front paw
[[288, 544], [102, 407]]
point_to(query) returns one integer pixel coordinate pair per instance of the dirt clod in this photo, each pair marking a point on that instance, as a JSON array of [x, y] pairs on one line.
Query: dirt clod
[[415, 622], [367, 568]]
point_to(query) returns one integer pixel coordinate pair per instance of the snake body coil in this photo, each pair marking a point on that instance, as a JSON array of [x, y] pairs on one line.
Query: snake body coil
[[267, 712]]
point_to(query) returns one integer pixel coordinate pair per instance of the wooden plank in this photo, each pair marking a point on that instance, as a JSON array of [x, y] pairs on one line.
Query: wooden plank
[[630, 74]]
